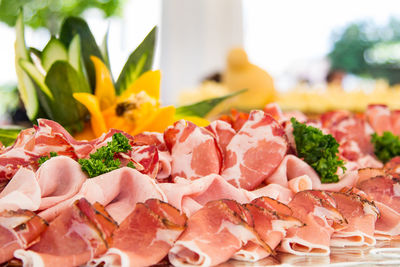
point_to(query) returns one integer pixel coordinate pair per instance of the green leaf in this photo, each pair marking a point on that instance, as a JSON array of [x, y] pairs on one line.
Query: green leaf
[[9, 135], [140, 61], [63, 81], [26, 87], [104, 49], [75, 58], [54, 50], [36, 76], [202, 108], [73, 26]]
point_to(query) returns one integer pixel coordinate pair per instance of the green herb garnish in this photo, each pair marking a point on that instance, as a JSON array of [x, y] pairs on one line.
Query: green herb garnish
[[318, 150], [102, 161], [386, 146], [43, 159]]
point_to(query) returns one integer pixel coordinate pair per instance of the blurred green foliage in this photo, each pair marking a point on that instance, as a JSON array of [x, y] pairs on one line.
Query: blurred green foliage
[[365, 49], [51, 13]]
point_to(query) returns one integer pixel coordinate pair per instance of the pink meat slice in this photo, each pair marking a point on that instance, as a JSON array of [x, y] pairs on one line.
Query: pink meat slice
[[379, 118], [388, 224], [272, 229], [361, 216], [145, 236], [255, 151], [213, 235], [18, 230], [193, 149], [118, 191], [59, 178], [22, 192], [72, 239], [190, 196], [275, 191], [273, 205], [395, 121], [223, 133], [317, 210]]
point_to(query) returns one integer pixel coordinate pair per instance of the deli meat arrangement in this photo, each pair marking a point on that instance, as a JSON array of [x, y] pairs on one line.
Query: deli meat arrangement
[[246, 187]]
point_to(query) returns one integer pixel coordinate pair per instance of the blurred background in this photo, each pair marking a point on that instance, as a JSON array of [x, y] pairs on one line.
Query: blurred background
[[303, 45]]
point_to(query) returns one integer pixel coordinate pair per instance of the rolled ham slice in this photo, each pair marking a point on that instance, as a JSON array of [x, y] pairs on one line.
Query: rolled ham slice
[[361, 216], [193, 149], [272, 229], [213, 235], [152, 229], [318, 211], [255, 151], [59, 178], [22, 192], [18, 230], [118, 191], [72, 239]]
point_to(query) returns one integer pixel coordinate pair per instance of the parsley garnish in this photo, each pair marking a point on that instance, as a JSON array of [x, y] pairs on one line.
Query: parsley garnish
[[386, 146], [43, 159], [102, 161], [319, 150]]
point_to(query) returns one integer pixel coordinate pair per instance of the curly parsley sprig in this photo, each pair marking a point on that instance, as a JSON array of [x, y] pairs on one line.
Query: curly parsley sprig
[[102, 161], [319, 150], [386, 146], [43, 159]]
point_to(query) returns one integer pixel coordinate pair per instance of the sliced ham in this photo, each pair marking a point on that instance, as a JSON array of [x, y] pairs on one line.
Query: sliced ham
[[361, 216], [255, 151], [164, 169], [395, 121], [148, 158], [300, 183], [272, 229], [388, 224], [190, 196], [292, 167], [59, 178], [152, 229], [22, 192], [72, 239], [316, 209], [379, 118], [383, 189], [194, 150], [213, 235], [223, 133], [118, 191], [275, 191], [18, 230], [272, 205]]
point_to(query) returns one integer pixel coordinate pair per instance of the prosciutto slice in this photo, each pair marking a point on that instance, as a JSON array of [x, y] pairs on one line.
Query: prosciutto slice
[[22, 192], [317, 210], [118, 191], [379, 118], [72, 239], [18, 230], [194, 150], [360, 215], [145, 236], [223, 133], [255, 151], [59, 178], [190, 196], [213, 235], [271, 228]]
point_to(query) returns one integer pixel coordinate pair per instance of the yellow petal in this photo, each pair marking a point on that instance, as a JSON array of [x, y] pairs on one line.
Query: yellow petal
[[197, 120], [148, 82], [105, 91], [158, 122], [92, 104]]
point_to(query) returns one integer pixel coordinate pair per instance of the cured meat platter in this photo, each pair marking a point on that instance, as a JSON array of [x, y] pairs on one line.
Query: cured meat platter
[[245, 190]]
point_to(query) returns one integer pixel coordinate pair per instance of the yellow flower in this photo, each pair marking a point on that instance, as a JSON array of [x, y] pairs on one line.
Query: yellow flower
[[134, 111]]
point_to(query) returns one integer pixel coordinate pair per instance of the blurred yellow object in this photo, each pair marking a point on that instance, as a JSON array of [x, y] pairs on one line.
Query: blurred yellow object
[[312, 100], [241, 74]]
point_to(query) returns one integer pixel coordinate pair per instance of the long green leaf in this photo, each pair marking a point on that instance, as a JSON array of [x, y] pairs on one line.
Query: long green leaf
[[202, 108], [63, 81], [9, 135], [36, 76], [73, 26], [140, 61], [26, 87], [104, 49], [54, 50]]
